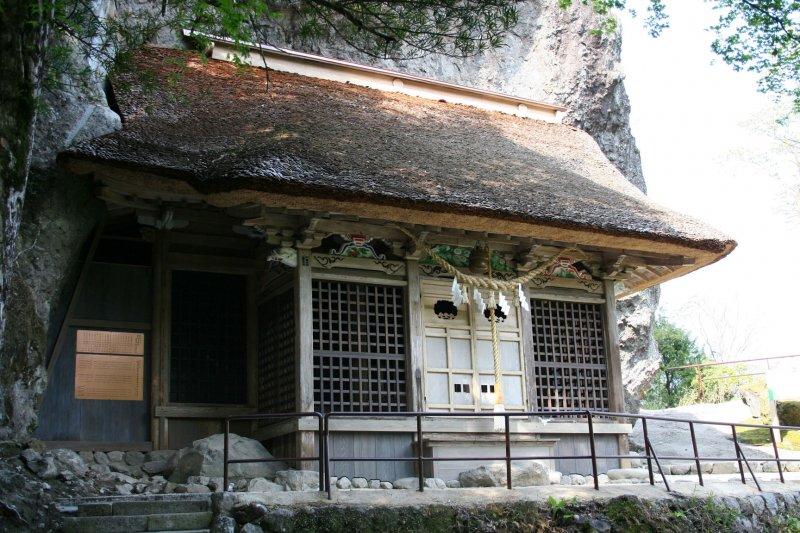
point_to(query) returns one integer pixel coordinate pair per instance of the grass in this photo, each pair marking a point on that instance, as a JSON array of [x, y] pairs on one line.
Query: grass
[[790, 440]]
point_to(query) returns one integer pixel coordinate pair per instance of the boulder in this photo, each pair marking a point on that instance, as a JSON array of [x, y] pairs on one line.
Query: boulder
[[453, 484], [555, 477], [769, 467], [88, 457], [100, 469], [251, 528], [134, 458], [101, 458], [704, 467], [360, 483], [223, 524], [680, 469], [725, 467], [298, 480], [530, 474], [406, 483], [43, 466], [155, 467], [374, 483], [69, 460], [204, 458], [435, 483], [116, 456], [386, 485], [573, 479], [192, 488], [616, 474], [160, 455], [343, 483], [260, 484]]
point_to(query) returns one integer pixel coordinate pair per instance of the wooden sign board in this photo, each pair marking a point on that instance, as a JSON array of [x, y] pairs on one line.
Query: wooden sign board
[[108, 377], [109, 365], [109, 342]]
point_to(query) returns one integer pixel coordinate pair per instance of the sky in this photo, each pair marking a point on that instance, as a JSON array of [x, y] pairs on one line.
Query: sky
[[704, 133]]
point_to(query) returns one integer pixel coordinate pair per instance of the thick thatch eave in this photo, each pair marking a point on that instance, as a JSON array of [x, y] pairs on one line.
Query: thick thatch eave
[[224, 130]]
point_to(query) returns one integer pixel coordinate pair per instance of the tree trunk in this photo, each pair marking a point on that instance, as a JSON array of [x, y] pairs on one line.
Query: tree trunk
[[24, 34]]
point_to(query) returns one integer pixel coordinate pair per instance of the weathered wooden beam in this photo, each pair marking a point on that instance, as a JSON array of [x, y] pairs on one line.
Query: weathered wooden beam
[[416, 335], [616, 393], [304, 349]]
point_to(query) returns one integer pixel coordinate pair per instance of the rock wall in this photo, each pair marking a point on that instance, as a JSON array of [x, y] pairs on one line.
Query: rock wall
[[552, 55], [59, 215]]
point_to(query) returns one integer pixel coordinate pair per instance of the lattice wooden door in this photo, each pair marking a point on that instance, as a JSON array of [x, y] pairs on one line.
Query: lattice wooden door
[[359, 347], [569, 353]]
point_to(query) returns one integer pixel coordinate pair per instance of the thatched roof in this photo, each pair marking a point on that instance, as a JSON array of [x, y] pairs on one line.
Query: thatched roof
[[223, 128]]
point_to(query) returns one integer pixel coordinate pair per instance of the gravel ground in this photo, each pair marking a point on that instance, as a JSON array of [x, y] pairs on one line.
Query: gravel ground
[[673, 438]]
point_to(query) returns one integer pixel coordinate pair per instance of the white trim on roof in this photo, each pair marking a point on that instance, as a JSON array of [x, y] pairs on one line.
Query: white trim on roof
[[382, 79]]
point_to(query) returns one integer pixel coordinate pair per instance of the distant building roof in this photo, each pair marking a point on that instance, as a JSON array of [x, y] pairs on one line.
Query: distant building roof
[[223, 128]]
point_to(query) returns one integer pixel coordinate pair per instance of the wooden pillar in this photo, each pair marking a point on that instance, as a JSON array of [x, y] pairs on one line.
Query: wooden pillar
[[160, 339], [527, 352], [304, 352], [616, 396], [416, 336]]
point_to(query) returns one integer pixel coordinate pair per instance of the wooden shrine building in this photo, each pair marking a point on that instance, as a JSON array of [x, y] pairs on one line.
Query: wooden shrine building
[[264, 250]]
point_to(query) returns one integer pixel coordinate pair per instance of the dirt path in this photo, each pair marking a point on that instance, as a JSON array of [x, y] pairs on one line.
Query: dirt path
[[673, 439]]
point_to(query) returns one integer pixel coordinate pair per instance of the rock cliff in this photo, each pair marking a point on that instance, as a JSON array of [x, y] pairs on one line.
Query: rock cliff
[[552, 56]]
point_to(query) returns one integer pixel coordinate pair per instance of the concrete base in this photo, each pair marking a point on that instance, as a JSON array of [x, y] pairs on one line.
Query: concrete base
[[484, 496]]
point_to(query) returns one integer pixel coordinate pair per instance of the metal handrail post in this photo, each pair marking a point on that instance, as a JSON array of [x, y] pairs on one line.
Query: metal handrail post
[[658, 464], [420, 474], [696, 454], [327, 457], [777, 456], [225, 455], [508, 452], [321, 452], [593, 449], [738, 454], [647, 449], [747, 463]]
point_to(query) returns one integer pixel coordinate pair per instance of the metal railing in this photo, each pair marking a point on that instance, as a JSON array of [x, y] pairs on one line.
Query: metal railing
[[324, 457]]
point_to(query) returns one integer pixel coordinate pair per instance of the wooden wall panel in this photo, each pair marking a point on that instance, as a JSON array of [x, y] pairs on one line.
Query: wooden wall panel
[[579, 445], [112, 292], [348, 444]]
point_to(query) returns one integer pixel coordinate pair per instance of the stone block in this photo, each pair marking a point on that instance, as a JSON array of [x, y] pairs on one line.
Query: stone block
[[179, 521], [105, 524], [151, 507], [95, 509]]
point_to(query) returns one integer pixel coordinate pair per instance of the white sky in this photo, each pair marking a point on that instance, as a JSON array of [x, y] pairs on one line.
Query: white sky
[[700, 129]]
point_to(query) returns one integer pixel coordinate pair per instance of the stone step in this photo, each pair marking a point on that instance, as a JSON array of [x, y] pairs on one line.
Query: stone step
[[183, 531], [192, 521], [142, 507]]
